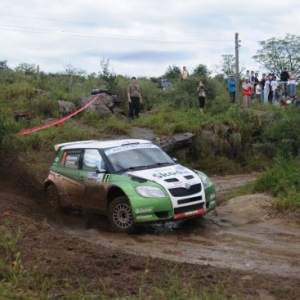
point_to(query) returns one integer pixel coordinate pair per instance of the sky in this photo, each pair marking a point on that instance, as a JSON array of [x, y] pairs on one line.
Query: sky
[[140, 38]]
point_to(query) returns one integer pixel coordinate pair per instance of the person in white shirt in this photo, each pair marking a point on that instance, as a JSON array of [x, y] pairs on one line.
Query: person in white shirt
[[274, 85], [267, 89], [258, 92], [292, 83]]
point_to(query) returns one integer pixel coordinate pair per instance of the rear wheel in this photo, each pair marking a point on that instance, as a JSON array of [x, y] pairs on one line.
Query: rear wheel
[[52, 197], [120, 215]]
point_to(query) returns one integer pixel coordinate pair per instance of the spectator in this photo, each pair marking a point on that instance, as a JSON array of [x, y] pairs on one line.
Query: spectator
[[258, 92], [267, 89], [201, 96], [246, 92], [164, 83], [274, 84], [292, 83], [134, 98], [184, 74], [252, 78], [278, 94], [284, 77], [247, 74], [262, 84], [231, 86], [256, 81]]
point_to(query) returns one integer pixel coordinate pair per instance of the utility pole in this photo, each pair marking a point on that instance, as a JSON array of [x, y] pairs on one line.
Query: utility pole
[[237, 68]]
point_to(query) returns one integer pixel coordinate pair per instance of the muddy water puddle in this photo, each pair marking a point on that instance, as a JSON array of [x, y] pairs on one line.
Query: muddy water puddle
[[239, 235], [252, 247]]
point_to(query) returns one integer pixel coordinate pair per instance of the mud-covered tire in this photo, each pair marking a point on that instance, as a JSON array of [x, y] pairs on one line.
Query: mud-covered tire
[[52, 197], [120, 215]]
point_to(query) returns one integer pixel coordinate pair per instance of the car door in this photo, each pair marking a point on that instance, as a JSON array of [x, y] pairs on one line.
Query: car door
[[68, 178], [91, 175]]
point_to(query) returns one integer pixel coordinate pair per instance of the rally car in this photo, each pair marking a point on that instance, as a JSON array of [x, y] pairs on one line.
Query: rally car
[[131, 181]]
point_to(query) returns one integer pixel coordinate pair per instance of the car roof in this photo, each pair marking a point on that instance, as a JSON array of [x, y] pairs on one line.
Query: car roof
[[98, 144]]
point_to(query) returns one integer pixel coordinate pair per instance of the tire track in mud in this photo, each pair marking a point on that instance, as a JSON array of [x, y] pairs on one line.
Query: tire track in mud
[[240, 234]]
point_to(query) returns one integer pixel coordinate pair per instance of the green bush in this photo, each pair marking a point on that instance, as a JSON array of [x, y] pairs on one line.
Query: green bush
[[282, 181]]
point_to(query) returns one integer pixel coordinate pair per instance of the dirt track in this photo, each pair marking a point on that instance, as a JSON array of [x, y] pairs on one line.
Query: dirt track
[[244, 244]]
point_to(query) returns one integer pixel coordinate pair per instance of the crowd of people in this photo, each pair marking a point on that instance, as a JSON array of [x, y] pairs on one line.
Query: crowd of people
[[267, 89]]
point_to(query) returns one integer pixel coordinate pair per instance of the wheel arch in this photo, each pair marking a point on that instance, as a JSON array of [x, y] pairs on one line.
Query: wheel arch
[[114, 193], [47, 183]]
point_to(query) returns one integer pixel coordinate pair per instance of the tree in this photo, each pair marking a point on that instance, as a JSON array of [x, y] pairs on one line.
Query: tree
[[228, 65], [3, 65], [201, 70], [173, 72], [72, 72], [279, 53], [107, 74], [27, 69]]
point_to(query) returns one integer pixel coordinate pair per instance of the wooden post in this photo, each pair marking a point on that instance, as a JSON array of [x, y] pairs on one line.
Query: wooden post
[[237, 68]]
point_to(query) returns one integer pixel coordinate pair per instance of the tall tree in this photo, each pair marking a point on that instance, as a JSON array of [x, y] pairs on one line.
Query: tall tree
[[3, 65], [279, 53], [228, 65], [26, 68], [201, 70], [173, 72], [106, 74]]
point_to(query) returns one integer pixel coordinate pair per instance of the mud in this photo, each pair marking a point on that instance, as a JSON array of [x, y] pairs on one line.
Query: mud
[[244, 243]]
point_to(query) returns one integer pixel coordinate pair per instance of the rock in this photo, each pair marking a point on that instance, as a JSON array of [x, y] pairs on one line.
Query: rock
[[66, 107], [105, 105]]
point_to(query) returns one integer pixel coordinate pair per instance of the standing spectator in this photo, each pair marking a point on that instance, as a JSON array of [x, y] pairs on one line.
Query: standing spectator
[[256, 81], [258, 92], [262, 84], [270, 95], [246, 92], [231, 86], [184, 74], [278, 94], [284, 77], [134, 98], [252, 78], [252, 82], [273, 86], [267, 89], [292, 83], [201, 96], [164, 83]]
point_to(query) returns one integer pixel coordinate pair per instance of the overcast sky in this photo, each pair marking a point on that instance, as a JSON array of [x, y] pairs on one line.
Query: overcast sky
[[139, 37]]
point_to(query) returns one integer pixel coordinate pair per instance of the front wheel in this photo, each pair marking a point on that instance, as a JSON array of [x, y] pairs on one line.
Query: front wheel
[[120, 215]]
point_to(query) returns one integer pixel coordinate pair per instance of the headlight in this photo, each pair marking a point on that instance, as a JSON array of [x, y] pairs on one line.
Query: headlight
[[206, 181], [150, 191]]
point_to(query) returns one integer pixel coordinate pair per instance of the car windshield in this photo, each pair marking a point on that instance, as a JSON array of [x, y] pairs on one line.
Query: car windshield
[[137, 156]]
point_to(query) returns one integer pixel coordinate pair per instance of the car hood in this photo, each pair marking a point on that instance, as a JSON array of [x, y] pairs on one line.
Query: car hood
[[170, 175]]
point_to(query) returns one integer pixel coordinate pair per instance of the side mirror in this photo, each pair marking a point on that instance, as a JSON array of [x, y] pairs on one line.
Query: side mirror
[[99, 171]]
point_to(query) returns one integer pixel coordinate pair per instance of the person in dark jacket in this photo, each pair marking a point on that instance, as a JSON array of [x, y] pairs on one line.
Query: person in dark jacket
[[134, 98], [284, 77]]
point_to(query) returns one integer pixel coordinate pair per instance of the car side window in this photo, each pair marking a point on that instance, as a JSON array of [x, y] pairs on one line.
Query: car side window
[[71, 159], [92, 160]]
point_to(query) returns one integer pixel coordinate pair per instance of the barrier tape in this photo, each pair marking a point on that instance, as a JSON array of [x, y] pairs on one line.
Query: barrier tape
[[58, 121]]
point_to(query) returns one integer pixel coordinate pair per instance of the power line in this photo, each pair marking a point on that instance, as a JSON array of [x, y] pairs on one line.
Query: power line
[[13, 28], [183, 32]]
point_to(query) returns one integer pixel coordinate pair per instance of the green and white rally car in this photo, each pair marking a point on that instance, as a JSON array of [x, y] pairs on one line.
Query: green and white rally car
[[131, 181]]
